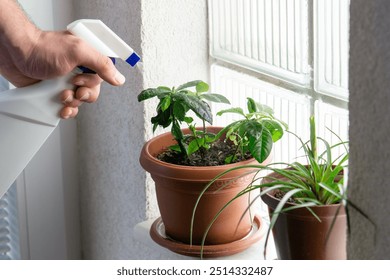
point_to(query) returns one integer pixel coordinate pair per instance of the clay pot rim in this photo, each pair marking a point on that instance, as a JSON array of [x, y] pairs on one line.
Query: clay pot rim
[[186, 167], [164, 169]]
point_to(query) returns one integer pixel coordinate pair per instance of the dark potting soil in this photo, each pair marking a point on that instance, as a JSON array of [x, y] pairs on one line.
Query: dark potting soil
[[214, 156], [280, 194]]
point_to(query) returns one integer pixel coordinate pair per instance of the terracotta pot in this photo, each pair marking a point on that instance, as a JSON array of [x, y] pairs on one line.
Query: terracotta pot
[[299, 235], [178, 188]]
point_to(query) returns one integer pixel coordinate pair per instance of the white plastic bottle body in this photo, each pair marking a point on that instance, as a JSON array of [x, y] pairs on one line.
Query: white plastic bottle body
[[39, 102]]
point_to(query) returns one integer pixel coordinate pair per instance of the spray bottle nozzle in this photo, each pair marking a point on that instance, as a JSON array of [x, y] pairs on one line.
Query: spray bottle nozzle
[[102, 38], [133, 59]]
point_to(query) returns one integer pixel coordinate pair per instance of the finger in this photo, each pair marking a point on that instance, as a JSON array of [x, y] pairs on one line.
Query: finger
[[87, 80], [67, 96], [69, 112], [101, 64], [68, 99], [86, 94]]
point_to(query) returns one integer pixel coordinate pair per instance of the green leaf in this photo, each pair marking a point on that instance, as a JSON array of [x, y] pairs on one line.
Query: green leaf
[[265, 109], [178, 135], [251, 128], [163, 89], [275, 128], [179, 111], [233, 137], [251, 104], [230, 159], [260, 139], [214, 97], [236, 110], [210, 137], [198, 106], [194, 146], [155, 125], [175, 148], [260, 147], [163, 118], [256, 107], [188, 120], [231, 129], [313, 138], [147, 94], [189, 84], [165, 103], [202, 87]]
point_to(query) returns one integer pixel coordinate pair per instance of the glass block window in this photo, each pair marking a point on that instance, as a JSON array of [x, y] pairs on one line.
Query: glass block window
[[331, 33], [301, 42], [291, 55], [266, 36]]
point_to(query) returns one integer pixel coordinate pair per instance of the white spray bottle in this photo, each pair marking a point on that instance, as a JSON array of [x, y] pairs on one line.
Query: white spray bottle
[[29, 115]]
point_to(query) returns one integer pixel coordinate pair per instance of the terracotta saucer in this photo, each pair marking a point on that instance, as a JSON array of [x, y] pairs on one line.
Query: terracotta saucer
[[157, 233]]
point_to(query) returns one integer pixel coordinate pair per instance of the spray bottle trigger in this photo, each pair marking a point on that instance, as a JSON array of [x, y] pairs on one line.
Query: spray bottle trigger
[[86, 70]]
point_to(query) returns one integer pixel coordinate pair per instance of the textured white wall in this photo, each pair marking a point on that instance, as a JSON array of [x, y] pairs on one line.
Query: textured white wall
[[171, 37], [110, 134], [370, 128], [175, 51]]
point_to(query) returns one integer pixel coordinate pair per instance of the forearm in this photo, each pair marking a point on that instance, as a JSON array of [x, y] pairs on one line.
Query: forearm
[[17, 33]]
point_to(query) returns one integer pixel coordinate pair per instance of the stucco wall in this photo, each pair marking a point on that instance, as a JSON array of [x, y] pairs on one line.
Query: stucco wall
[[175, 51], [171, 37], [369, 128]]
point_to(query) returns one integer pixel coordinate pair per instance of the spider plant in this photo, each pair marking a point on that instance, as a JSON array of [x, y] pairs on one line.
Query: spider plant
[[320, 181]]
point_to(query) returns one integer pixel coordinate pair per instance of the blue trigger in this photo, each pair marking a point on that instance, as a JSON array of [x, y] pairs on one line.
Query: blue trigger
[[89, 71]]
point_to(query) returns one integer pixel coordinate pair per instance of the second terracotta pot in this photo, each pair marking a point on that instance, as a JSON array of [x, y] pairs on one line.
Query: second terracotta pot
[[299, 235], [178, 188]]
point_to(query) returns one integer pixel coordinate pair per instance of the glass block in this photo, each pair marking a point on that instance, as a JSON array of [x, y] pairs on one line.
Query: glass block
[[267, 36], [332, 121], [331, 47]]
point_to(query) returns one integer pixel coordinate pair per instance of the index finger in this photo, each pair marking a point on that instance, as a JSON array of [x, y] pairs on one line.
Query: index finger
[[89, 57]]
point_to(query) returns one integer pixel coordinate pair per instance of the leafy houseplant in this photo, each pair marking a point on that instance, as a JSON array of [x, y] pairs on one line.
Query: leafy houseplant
[[179, 182], [307, 202], [172, 110], [254, 134]]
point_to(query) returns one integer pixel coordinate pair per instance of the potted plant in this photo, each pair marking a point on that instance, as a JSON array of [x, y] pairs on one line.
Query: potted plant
[[307, 202], [183, 161]]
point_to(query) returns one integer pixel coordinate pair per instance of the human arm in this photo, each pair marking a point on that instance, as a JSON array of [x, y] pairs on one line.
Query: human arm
[[28, 55]]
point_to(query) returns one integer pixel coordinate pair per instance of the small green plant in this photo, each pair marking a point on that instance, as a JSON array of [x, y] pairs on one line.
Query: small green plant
[[254, 134], [320, 181], [173, 108]]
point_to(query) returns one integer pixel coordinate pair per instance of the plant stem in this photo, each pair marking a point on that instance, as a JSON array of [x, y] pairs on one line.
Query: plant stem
[[204, 139], [239, 147], [179, 135], [313, 138]]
